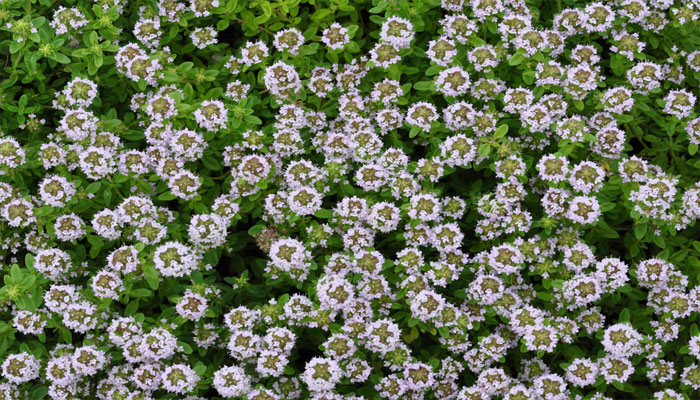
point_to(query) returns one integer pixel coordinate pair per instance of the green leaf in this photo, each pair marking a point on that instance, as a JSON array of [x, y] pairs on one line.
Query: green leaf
[[143, 186], [96, 244], [211, 163], [640, 230], [323, 214], [170, 76], [186, 348], [589, 138], [16, 273], [516, 59], [670, 128], [659, 241], [15, 47], [66, 335], [433, 70], [624, 118], [260, 19], [200, 368], [696, 246], [92, 38], [40, 393], [617, 64], [653, 40], [484, 150], [492, 26], [93, 187], [501, 131], [606, 231], [141, 292], [624, 315], [22, 303], [23, 101], [91, 67], [166, 196], [424, 86], [255, 229], [107, 195], [28, 281], [321, 14], [196, 276], [152, 277], [252, 119], [544, 296], [222, 24], [412, 335], [29, 261]]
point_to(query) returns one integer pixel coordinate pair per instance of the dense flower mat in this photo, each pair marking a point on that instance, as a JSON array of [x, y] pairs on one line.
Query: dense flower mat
[[334, 199]]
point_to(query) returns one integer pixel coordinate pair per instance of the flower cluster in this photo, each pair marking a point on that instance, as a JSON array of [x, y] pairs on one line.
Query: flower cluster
[[454, 199]]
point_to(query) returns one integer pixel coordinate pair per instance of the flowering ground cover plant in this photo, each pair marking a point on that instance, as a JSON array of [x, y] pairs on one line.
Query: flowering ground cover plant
[[334, 199]]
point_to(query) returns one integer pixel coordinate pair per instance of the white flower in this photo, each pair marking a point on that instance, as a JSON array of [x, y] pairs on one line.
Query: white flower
[[207, 230], [289, 39], [211, 115], [203, 37], [336, 36], [321, 374], [80, 92], [289, 255], [20, 367], [174, 259], [232, 381], [179, 378], [192, 306], [679, 103], [304, 201], [397, 31], [583, 210]]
